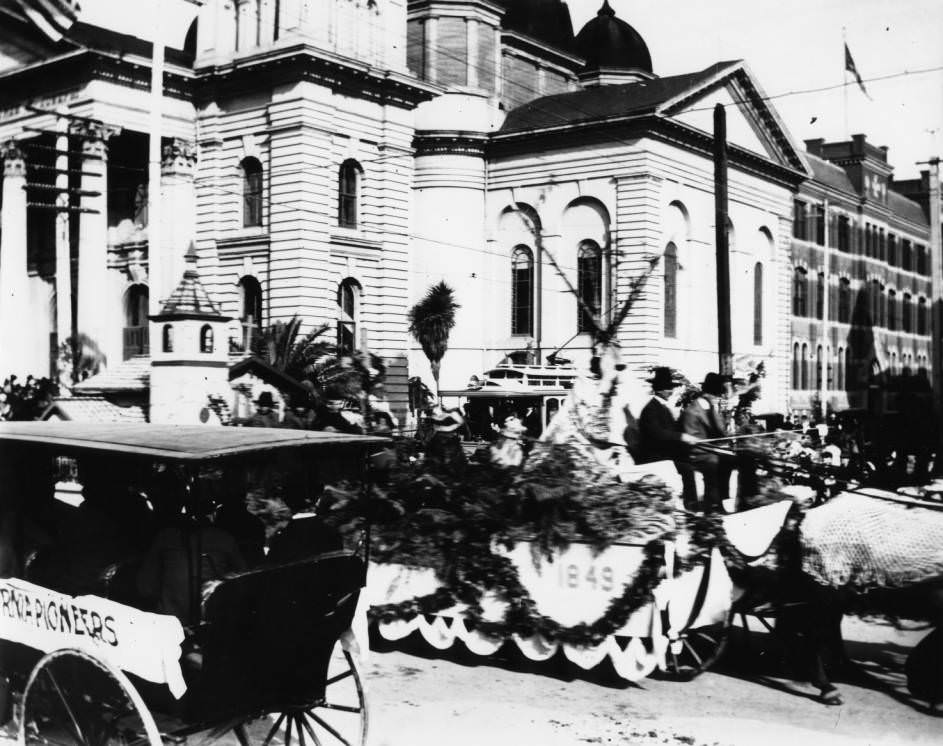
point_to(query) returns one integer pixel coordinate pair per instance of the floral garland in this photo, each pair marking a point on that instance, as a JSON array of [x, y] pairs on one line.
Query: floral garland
[[477, 569]]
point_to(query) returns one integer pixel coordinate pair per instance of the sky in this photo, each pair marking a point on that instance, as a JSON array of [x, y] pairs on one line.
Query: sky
[[797, 45]]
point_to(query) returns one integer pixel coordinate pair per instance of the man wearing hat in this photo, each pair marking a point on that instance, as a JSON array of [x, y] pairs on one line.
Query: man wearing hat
[[660, 433], [702, 420], [265, 412]]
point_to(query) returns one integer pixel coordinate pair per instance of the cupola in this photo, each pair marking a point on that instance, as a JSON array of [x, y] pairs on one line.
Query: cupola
[[614, 51]]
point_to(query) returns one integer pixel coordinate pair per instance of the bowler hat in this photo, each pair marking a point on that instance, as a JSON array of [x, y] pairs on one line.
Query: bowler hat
[[265, 400], [713, 384], [662, 378]]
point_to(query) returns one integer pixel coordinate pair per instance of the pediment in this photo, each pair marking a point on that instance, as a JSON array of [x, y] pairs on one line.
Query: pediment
[[752, 122]]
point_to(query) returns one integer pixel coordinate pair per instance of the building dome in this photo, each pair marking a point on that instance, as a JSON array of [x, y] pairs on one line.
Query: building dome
[[607, 42], [547, 21]]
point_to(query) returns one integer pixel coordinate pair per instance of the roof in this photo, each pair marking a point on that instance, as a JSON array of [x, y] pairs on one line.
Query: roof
[[548, 21], [133, 374], [190, 299], [605, 102], [830, 175], [263, 370], [171, 442], [493, 391], [905, 208], [93, 409]]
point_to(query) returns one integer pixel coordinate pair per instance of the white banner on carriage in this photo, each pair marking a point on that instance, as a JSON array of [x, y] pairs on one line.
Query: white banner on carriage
[[144, 644]]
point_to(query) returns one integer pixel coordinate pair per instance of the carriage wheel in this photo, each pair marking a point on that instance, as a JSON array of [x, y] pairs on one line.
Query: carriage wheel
[[74, 698], [696, 650], [340, 719]]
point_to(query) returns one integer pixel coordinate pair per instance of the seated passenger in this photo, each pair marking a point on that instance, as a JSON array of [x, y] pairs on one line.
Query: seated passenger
[[233, 516], [182, 558], [305, 535], [105, 528]]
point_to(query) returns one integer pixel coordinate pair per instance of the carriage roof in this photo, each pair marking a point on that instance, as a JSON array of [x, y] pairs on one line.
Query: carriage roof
[[183, 443]]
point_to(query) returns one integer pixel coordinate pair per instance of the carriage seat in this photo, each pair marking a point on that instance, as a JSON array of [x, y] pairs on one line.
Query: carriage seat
[[752, 531], [268, 633]]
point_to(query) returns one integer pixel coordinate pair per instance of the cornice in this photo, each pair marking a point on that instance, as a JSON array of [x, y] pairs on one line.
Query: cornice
[[643, 125], [450, 142], [306, 62]]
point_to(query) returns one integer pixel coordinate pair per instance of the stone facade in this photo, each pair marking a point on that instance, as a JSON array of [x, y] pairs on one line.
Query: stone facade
[[332, 159]]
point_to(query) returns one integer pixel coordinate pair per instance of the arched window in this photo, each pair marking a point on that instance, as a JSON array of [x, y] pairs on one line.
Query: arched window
[[671, 290], [135, 321], [804, 383], [251, 193], [167, 338], [522, 291], [922, 316], [758, 303], [830, 370], [906, 314], [589, 285], [892, 310], [844, 300], [841, 368], [796, 366], [348, 194], [819, 370], [893, 369], [135, 308], [800, 292], [348, 314], [206, 339]]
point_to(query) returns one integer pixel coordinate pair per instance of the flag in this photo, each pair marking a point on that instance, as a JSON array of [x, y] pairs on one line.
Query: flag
[[850, 67], [52, 17]]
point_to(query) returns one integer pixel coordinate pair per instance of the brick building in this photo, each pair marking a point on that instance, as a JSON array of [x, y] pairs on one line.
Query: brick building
[[875, 290]]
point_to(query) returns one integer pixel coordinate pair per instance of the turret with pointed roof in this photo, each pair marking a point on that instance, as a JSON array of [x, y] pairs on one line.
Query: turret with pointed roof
[[189, 353]]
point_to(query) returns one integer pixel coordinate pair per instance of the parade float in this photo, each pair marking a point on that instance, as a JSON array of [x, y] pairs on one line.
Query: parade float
[[579, 549]]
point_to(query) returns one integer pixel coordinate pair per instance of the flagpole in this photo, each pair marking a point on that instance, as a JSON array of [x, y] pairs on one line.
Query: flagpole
[[844, 51]]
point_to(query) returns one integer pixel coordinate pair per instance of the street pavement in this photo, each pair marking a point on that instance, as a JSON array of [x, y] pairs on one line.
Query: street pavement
[[748, 700]]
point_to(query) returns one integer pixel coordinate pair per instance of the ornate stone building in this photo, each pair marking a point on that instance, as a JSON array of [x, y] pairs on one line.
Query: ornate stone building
[[333, 158]]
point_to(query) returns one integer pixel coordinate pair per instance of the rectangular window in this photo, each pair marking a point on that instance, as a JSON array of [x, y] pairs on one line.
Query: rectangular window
[[799, 225], [820, 225], [844, 233], [892, 257], [820, 296]]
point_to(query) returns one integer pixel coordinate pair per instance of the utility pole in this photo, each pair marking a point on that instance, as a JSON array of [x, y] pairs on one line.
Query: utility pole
[[154, 249], [824, 337], [936, 303], [724, 338]]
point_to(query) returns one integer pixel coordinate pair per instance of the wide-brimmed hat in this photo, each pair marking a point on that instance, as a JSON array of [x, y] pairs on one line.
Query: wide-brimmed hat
[[265, 400], [714, 384], [662, 378]]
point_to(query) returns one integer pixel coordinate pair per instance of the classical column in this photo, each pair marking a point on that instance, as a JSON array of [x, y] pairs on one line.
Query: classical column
[[63, 249], [14, 289], [178, 221], [92, 306]]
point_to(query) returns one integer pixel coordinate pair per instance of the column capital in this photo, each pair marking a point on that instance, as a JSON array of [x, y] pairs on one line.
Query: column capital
[[14, 161], [178, 157], [95, 136]]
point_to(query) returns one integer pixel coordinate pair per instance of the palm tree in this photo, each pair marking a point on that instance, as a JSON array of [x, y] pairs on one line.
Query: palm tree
[[311, 357], [430, 322]]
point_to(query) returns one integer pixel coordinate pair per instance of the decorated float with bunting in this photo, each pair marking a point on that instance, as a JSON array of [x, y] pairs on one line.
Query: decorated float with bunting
[[578, 550]]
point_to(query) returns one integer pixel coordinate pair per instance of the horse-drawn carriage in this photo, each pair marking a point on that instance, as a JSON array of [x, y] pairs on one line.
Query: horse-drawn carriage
[[261, 654]]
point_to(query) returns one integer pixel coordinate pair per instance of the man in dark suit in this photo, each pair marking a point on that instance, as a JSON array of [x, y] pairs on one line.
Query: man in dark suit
[[702, 420], [661, 437]]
